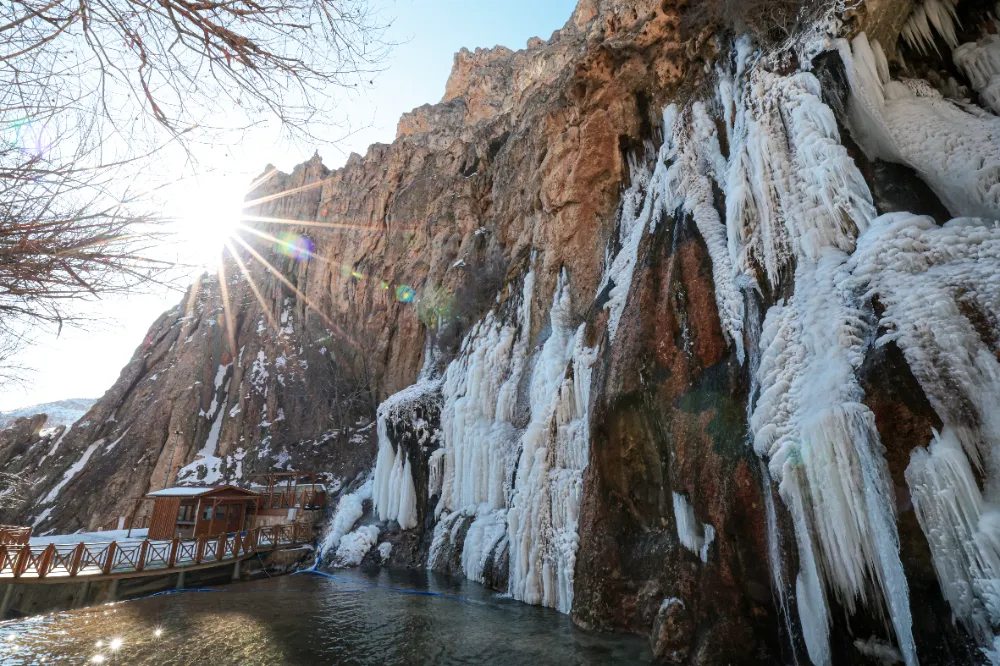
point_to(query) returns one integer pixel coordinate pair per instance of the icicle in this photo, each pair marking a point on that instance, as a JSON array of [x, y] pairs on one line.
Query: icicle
[[953, 150], [696, 538], [544, 509], [809, 421], [962, 530], [980, 61], [394, 493], [480, 400], [697, 161], [924, 275], [485, 537], [791, 188], [881, 62], [943, 17]]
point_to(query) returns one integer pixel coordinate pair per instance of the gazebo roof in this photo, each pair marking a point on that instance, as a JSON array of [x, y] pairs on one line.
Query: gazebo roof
[[200, 491]]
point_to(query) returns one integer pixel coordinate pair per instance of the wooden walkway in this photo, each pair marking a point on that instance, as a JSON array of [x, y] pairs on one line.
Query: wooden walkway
[[62, 563]]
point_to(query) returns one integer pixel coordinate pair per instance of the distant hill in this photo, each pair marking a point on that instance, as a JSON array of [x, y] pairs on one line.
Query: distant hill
[[61, 412]]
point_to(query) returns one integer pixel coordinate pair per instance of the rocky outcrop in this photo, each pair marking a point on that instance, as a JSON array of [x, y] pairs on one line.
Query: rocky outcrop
[[561, 297]]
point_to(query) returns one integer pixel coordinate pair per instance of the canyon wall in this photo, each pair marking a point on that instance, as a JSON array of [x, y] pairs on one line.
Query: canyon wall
[[680, 331]]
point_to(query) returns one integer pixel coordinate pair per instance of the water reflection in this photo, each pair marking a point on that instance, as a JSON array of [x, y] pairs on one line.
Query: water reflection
[[399, 617]]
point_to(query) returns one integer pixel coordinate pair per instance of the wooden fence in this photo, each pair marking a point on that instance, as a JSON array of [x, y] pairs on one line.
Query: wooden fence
[[103, 559], [291, 499], [14, 534]]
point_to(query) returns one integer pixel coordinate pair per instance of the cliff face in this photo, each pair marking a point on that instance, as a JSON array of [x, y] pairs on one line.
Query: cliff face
[[623, 326]]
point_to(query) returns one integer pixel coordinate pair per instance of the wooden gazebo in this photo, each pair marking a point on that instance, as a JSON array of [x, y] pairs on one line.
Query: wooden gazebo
[[191, 512]]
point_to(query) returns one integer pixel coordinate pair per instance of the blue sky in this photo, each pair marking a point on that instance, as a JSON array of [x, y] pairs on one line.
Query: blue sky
[[85, 363]]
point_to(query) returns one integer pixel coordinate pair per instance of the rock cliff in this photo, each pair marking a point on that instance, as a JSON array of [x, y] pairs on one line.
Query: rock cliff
[[661, 325]]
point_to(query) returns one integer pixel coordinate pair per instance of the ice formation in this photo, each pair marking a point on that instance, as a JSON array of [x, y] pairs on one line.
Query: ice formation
[[963, 532], [953, 149], [485, 538], [693, 147], [508, 485], [696, 538], [980, 62], [928, 17], [638, 214], [548, 487], [809, 421], [791, 188], [681, 179], [940, 288], [355, 545], [480, 443], [350, 508], [394, 493], [796, 202], [930, 279]]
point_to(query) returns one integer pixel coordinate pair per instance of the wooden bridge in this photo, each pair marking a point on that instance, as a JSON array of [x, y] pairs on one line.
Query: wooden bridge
[[61, 563], [14, 534]]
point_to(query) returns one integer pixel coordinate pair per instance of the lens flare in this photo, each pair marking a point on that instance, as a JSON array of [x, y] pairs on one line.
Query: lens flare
[[296, 246], [405, 293]]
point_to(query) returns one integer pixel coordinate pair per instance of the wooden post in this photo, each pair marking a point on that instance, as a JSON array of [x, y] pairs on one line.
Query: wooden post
[[197, 519], [199, 549], [21, 563], [131, 520], [74, 564], [211, 518], [220, 550], [43, 565], [109, 563], [140, 562], [173, 552]]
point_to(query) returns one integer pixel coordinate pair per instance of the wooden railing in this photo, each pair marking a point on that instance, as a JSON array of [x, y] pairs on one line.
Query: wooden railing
[[126, 523], [291, 499], [91, 559], [14, 534]]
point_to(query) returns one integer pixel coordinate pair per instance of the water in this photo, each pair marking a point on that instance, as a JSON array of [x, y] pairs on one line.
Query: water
[[397, 617]]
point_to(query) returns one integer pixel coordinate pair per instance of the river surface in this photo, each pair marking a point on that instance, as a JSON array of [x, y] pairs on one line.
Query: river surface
[[384, 617]]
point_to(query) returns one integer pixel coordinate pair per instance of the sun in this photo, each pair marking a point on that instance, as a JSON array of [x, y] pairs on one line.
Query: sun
[[208, 214]]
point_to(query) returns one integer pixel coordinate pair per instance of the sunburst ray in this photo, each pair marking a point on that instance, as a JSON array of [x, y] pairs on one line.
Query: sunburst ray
[[285, 281], [253, 287], [309, 223], [230, 329]]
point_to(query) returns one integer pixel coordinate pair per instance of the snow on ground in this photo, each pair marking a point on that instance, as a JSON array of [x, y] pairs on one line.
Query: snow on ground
[[121, 536], [63, 412], [72, 471]]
